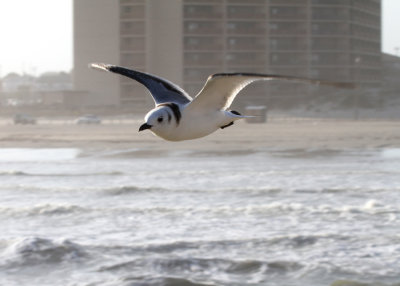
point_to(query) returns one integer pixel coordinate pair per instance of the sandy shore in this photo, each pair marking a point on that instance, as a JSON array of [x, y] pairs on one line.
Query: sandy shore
[[285, 135]]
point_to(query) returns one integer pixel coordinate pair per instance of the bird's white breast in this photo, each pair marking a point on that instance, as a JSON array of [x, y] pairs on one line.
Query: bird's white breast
[[192, 126]]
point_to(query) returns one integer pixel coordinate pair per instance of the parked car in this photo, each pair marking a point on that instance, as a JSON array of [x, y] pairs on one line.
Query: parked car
[[24, 119], [88, 119]]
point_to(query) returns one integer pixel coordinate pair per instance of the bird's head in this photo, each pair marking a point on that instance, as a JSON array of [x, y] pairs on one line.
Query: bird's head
[[158, 120]]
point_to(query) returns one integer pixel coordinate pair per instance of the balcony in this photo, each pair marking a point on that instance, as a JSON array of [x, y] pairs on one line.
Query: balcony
[[131, 2], [364, 18], [132, 43], [365, 46], [289, 2], [214, 2], [331, 2], [342, 74], [331, 29], [247, 2], [366, 60], [288, 59], [368, 5], [330, 59], [288, 13], [246, 44], [132, 28], [192, 43], [132, 12], [245, 12], [245, 28], [287, 70], [288, 43], [250, 59], [205, 28], [287, 28], [202, 59], [330, 44], [202, 11], [365, 32], [330, 14]]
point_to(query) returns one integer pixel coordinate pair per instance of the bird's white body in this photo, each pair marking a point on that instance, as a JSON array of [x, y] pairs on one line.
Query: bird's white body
[[177, 116], [192, 125]]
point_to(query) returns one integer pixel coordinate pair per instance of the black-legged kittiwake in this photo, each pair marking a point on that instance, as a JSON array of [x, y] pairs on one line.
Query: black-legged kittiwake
[[178, 117]]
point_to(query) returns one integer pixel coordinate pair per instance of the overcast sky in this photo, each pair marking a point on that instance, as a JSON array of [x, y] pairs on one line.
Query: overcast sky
[[36, 35]]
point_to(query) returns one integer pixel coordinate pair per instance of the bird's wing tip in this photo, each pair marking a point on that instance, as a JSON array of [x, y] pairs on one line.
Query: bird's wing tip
[[99, 66]]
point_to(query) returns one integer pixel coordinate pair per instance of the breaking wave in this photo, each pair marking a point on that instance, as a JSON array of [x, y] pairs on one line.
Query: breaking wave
[[35, 250], [185, 265]]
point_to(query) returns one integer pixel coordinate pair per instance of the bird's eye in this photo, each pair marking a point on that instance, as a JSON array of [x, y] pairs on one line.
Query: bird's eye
[[160, 119]]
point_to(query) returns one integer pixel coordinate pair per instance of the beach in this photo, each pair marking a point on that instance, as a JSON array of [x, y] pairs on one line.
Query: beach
[[276, 135]]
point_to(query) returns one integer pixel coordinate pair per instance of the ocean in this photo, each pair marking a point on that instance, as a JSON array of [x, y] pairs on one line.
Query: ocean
[[183, 218]]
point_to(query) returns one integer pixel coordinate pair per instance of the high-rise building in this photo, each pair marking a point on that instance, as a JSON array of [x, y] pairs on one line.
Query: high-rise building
[[187, 40]]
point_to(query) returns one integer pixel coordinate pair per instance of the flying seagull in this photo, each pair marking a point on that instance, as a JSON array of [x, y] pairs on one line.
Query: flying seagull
[[177, 116]]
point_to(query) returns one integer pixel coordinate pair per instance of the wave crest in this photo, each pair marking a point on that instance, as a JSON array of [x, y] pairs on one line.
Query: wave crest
[[36, 250], [126, 190], [46, 209], [205, 265]]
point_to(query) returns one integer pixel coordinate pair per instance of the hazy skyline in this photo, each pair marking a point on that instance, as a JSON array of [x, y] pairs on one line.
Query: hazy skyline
[[36, 36]]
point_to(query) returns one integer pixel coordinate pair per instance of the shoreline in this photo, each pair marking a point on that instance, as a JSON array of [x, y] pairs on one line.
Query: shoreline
[[242, 136]]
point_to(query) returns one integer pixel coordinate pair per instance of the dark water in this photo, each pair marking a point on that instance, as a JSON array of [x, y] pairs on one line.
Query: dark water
[[281, 218]]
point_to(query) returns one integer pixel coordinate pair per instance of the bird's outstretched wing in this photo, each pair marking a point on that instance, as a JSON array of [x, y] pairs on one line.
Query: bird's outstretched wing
[[161, 89], [221, 89]]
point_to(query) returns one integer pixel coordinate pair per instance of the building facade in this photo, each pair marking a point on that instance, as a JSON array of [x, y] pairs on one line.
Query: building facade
[[187, 40]]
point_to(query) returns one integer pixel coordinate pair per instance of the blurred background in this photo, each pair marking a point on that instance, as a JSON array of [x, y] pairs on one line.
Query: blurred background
[[309, 198], [47, 47]]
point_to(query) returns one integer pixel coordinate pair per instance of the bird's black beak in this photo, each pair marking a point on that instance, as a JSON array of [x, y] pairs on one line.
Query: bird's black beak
[[144, 127]]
